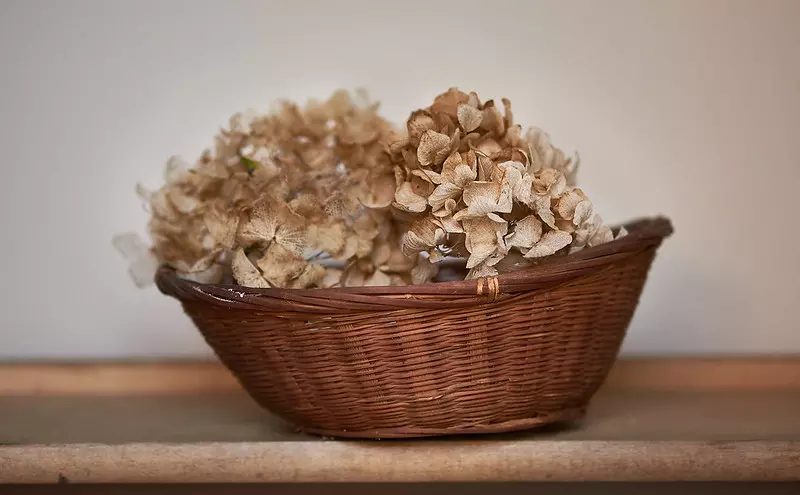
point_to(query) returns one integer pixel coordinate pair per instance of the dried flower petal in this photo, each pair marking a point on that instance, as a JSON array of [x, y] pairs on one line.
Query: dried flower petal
[[310, 275], [280, 265], [469, 117], [527, 232], [433, 148], [407, 200], [424, 271], [245, 273], [550, 243], [481, 270]]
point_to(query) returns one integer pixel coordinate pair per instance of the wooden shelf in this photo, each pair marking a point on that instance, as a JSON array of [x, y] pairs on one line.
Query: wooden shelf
[[630, 434]]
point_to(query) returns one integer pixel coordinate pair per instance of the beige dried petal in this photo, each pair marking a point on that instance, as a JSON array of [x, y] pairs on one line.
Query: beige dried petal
[[527, 232], [489, 146], [473, 99], [433, 148], [483, 198], [469, 117], [211, 275], [405, 199], [550, 243], [280, 265], [583, 212], [481, 238], [378, 279], [603, 235], [422, 235], [424, 271], [397, 262], [143, 262], [568, 202], [332, 278], [485, 167], [550, 181], [245, 273], [480, 271], [222, 224], [310, 275], [442, 193], [175, 169], [262, 223], [455, 171], [492, 119], [427, 175], [449, 225], [418, 123], [328, 238], [366, 227], [621, 233], [380, 193], [541, 207]]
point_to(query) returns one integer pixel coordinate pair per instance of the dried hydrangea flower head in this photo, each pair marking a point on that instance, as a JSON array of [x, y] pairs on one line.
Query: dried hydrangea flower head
[[296, 198], [472, 184]]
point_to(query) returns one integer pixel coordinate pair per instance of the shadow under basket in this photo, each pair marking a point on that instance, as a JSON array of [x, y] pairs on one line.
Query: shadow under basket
[[497, 354]]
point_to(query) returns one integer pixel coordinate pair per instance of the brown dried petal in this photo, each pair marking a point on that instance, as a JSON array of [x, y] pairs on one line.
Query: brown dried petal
[[332, 278], [442, 193], [310, 275], [433, 148], [222, 224], [424, 271], [280, 265], [405, 199], [423, 235], [550, 243], [245, 273], [481, 270], [469, 117], [328, 238], [418, 123], [447, 103], [449, 225]]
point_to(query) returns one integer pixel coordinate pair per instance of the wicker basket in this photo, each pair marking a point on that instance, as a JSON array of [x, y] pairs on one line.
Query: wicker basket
[[501, 354]]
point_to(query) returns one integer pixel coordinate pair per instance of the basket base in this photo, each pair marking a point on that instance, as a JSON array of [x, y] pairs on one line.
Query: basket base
[[505, 427]]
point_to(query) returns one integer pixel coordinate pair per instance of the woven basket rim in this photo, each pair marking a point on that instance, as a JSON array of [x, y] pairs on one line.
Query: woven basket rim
[[643, 234]]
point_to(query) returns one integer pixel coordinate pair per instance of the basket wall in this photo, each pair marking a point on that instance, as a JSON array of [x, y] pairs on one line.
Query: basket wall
[[430, 363]]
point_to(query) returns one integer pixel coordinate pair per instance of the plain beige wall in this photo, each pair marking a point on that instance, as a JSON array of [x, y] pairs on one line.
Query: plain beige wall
[[686, 108]]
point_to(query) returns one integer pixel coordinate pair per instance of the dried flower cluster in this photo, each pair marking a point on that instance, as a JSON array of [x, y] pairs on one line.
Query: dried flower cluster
[[474, 185], [330, 194]]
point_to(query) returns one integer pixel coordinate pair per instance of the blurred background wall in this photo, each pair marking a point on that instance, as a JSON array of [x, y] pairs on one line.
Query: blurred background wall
[[689, 108]]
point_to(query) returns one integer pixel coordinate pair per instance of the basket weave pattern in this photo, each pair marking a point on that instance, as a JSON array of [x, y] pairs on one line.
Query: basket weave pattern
[[499, 354]]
